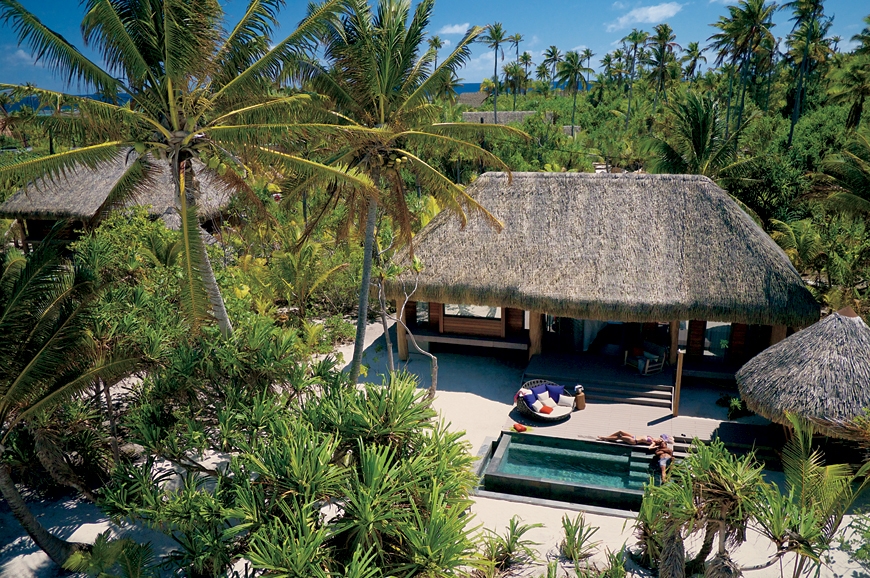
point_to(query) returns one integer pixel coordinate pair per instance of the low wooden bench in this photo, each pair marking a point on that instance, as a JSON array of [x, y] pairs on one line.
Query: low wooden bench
[[424, 336]]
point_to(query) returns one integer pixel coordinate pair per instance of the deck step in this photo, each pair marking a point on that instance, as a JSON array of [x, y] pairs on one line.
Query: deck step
[[599, 383], [632, 392], [630, 400]]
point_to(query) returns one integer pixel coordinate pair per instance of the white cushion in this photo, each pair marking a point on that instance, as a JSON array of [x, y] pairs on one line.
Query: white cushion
[[524, 391], [546, 399], [537, 406], [566, 401], [650, 355]]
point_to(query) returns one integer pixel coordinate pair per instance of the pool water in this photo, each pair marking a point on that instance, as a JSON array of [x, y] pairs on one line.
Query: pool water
[[586, 472], [581, 466]]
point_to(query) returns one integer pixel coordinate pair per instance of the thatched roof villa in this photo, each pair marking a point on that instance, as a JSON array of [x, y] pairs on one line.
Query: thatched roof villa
[[821, 373], [504, 116], [84, 195], [638, 248]]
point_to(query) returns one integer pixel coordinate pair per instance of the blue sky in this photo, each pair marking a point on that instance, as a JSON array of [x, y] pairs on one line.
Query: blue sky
[[569, 24]]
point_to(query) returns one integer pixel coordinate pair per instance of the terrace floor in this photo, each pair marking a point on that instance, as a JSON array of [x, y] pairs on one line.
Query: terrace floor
[[476, 387]]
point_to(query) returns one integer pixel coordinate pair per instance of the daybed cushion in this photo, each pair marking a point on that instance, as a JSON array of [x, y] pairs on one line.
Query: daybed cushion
[[649, 355], [566, 401], [546, 409], [556, 391], [537, 406], [530, 399], [539, 389], [546, 399]]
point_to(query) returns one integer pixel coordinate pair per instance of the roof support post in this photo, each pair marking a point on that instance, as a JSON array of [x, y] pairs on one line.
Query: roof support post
[[536, 332], [675, 402], [401, 337], [675, 341], [777, 333]]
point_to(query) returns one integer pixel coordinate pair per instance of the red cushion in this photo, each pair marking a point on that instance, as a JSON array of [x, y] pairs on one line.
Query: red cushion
[[636, 351], [519, 427], [546, 409]]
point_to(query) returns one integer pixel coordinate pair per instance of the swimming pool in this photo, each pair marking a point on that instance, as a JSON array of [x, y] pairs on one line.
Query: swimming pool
[[583, 472]]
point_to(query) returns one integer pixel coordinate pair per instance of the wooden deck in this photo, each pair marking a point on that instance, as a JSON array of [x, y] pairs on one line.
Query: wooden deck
[[424, 335]]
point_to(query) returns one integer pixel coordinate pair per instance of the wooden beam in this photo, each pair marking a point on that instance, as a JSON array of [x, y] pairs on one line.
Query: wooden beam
[[536, 332], [675, 342], [777, 333], [401, 337], [675, 404]]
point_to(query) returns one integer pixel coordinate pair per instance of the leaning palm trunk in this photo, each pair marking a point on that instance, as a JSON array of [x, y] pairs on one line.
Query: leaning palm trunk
[[362, 316], [58, 550], [52, 459], [721, 566]]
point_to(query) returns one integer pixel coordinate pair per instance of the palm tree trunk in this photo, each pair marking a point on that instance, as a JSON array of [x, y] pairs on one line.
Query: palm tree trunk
[[630, 89], [495, 88], [382, 301], [58, 550], [796, 110], [742, 97], [362, 315], [113, 422], [218, 308], [728, 107], [573, 111]]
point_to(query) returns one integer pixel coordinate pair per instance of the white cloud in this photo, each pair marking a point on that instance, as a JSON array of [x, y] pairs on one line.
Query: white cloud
[[446, 43], [723, 2], [20, 58], [619, 5], [646, 15], [580, 48], [454, 28]]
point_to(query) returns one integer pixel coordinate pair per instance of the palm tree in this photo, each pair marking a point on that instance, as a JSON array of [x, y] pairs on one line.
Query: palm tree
[[495, 36], [698, 144], [587, 56], [436, 44], [552, 57], [753, 22], [863, 38], [514, 77], [634, 39], [808, 16], [515, 40], [851, 84], [391, 118], [693, 56], [663, 45], [850, 172], [526, 62], [48, 356], [195, 92], [570, 74], [542, 73]]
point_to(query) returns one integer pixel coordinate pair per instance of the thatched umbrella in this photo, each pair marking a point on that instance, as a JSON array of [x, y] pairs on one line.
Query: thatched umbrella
[[821, 374], [630, 247]]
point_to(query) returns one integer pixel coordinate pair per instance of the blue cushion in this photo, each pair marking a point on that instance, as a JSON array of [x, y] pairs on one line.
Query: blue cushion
[[538, 390], [556, 391], [530, 399]]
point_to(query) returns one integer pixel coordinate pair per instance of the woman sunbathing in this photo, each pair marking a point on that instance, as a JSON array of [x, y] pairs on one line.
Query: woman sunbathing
[[624, 436]]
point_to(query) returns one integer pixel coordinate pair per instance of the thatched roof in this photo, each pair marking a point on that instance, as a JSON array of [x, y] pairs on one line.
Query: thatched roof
[[82, 193], [474, 99], [821, 373], [504, 116], [611, 247]]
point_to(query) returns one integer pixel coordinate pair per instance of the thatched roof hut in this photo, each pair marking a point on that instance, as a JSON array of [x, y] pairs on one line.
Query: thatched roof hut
[[473, 99], [821, 373], [82, 194], [631, 247]]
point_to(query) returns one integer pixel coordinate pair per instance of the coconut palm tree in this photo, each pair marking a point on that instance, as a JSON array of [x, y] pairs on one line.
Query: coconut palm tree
[[436, 44], [570, 74], [863, 38], [663, 43], [552, 58], [809, 28], [634, 40], [851, 84], [587, 56], [526, 62], [515, 40], [850, 172], [195, 92], [514, 77], [47, 356], [693, 56], [542, 72], [385, 106], [698, 145], [494, 37]]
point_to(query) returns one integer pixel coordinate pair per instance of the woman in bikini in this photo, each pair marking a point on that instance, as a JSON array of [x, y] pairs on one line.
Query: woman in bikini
[[624, 436]]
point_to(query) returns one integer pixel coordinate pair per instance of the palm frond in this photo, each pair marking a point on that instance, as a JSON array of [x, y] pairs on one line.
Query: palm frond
[[105, 29], [465, 150], [58, 165], [272, 111], [448, 193], [194, 297], [317, 172], [54, 50], [455, 60], [248, 40], [138, 177], [466, 130], [284, 52]]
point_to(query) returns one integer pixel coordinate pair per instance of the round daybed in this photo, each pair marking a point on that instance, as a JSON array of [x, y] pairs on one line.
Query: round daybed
[[560, 413]]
